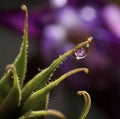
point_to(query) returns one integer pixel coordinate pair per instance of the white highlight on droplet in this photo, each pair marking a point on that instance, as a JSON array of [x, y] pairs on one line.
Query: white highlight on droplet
[[81, 53]]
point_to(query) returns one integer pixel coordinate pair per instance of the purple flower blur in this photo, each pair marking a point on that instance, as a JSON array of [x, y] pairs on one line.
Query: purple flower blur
[[64, 24]]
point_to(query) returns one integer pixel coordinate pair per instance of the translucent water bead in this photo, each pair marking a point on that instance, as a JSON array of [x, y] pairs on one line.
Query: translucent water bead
[[81, 53]]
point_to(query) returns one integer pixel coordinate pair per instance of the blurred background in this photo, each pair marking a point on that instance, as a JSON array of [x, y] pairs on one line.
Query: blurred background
[[55, 26]]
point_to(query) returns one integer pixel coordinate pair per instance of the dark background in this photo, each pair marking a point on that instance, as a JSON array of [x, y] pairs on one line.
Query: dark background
[[103, 81]]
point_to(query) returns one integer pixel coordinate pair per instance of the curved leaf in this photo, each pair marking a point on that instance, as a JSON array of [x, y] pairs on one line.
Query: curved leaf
[[35, 114], [42, 78], [20, 63], [87, 104], [37, 101], [9, 107]]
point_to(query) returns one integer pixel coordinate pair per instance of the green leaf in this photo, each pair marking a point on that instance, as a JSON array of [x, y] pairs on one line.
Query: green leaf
[[40, 80], [9, 107], [37, 101], [36, 114], [21, 60], [20, 64], [87, 104]]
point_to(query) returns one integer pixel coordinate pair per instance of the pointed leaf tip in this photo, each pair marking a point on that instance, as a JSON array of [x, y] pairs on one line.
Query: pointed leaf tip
[[90, 39], [86, 70], [87, 104], [24, 7], [10, 67]]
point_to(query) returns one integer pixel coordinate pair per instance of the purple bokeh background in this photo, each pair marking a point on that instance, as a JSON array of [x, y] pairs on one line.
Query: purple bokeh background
[[58, 26]]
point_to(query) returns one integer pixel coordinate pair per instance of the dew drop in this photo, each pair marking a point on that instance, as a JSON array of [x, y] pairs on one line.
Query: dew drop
[[81, 53]]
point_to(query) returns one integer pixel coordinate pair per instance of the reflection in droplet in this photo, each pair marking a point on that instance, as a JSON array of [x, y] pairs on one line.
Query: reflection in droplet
[[81, 53]]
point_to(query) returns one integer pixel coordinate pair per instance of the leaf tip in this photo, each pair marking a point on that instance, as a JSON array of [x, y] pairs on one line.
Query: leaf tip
[[86, 70], [90, 39], [87, 104], [56, 113], [24, 7], [10, 67]]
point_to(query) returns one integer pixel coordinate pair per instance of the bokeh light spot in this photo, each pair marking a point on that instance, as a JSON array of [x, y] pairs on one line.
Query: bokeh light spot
[[88, 13], [58, 3], [55, 32]]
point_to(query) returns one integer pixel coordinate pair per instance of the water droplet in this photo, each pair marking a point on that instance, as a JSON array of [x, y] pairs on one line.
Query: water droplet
[[81, 53]]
